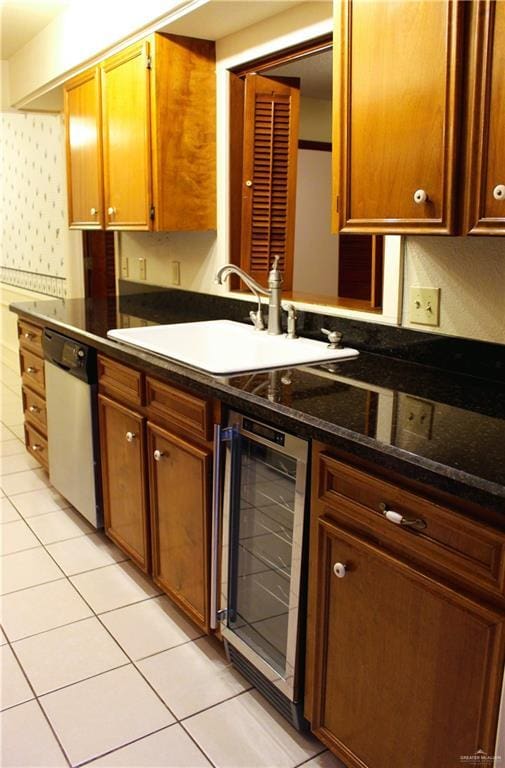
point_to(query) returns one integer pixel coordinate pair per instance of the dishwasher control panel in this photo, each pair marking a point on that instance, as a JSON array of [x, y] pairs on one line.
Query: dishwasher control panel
[[70, 355]]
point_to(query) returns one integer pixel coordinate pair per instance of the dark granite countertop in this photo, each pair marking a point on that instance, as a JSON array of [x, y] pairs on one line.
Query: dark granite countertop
[[434, 424]]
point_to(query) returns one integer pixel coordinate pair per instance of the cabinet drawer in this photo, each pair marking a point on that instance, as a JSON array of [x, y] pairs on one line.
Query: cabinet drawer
[[36, 444], [120, 381], [32, 371], [34, 408], [450, 543], [188, 413], [30, 337]]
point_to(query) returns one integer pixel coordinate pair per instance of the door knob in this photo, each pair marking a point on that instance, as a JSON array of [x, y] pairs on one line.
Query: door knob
[[340, 570], [499, 192], [420, 196]]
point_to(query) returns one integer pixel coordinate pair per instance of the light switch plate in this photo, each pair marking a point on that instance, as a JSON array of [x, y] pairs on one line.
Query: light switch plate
[[424, 305], [142, 268]]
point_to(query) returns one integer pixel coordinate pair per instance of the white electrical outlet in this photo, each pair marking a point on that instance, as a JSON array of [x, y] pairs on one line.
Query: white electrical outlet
[[142, 268], [424, 305]]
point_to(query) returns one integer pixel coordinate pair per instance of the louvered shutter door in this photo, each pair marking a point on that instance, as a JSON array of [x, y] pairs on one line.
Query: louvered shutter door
[[271, 118]]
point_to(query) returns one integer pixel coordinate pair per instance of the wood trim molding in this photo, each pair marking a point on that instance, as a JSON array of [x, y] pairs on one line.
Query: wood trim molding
[[306, 48]]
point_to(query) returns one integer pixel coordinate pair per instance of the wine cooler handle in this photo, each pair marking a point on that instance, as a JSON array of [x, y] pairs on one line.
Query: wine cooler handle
[[216, 506], [221, 435]]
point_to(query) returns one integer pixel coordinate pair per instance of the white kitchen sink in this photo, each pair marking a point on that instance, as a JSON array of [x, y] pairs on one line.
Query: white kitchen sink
[[224, 347]]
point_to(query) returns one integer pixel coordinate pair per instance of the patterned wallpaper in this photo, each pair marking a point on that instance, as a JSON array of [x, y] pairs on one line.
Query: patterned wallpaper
[[33, 193]]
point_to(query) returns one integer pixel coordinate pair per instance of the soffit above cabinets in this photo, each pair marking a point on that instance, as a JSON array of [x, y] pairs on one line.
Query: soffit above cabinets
[[220, 18]]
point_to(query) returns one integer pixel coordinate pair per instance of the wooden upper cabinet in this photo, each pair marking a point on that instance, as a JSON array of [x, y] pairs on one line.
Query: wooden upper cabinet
[[397, 89], [84, 150], [126, 138], [271, 117], [484, 200], [158, 123]]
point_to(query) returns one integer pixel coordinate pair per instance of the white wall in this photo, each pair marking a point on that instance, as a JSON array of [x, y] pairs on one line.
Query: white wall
[[316, 249], [315, 119], [470, 272]]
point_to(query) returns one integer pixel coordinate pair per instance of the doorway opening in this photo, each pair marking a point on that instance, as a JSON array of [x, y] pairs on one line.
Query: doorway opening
[[281, 183]]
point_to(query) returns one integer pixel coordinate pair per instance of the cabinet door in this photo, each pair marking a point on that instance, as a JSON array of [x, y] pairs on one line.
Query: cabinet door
[[180, 521], [84, 151], [123, 475], [407, 671], [485, 178], [126, 138], [397, 83]]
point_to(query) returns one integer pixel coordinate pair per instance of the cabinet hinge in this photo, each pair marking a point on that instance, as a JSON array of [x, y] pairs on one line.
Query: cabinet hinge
[[149, 62], [151, 213]]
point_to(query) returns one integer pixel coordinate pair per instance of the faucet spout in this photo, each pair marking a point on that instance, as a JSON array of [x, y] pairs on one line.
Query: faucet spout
[[256, 288], [273, 292]]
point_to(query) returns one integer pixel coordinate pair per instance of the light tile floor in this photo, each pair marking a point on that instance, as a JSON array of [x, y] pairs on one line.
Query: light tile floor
[[97, 667]]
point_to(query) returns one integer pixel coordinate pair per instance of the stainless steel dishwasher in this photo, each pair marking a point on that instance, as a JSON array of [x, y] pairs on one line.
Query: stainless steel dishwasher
[[72, 433]]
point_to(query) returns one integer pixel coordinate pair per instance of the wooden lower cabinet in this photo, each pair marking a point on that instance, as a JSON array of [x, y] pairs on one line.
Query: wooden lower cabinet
[[180, 495], [122, 442], [404, 665], [156, 456]]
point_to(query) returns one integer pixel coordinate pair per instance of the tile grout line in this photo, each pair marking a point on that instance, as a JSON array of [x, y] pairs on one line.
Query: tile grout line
[[35, 698]]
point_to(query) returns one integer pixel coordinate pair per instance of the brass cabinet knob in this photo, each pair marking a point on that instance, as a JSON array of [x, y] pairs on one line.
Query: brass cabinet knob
[[93, 211], [34, 409], [130, 436], [36, 447], [248, 183], [31, 369], [499, 192], [28, 336], [111, 210], [158, 455]]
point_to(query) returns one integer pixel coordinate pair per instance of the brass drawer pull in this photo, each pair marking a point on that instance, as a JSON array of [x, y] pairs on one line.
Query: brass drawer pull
[[418, 524], [31, 369], [34, 409], [37, 447], [28, 336]]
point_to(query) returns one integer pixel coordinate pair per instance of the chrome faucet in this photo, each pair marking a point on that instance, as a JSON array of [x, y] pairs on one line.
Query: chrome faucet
[[273, 293]]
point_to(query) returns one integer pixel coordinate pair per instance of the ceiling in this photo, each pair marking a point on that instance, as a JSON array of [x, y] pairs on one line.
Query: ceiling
[[22, 20], [315, 73]]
